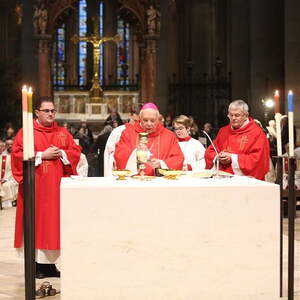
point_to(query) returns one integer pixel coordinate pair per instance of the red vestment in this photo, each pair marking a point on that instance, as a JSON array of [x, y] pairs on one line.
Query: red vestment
[[47, 183], [249, 143], [162, 144]]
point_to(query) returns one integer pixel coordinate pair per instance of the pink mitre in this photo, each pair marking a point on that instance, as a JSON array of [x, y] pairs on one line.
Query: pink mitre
[[149, 105]]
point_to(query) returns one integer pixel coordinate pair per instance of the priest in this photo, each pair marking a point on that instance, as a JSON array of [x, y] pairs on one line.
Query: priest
[[56, 156], [241, 147], [162, 144]]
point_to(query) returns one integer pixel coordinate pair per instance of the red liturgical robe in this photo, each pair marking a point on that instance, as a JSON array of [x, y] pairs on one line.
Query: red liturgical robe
[[47, 183], [162, 144], [249, 143]]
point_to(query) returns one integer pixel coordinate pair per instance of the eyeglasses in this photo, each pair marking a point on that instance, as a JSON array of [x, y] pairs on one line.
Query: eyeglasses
[[47, 111], [178, 128]]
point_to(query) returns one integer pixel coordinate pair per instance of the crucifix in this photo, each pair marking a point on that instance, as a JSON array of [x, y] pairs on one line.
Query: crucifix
[[96, 92]]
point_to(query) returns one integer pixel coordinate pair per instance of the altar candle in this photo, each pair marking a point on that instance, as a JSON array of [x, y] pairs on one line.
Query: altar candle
[[30, 125], [276, 100], [291, 122], [278, 134], [25, 122]]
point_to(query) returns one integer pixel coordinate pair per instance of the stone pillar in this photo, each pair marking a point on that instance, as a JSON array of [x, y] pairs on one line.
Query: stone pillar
[[149, 61], [148, 87], [167, 54], [44, 66], [110, 49]]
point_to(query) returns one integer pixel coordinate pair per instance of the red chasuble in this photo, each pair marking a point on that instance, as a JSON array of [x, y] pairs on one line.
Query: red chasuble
[[162, 144], [47, 183], [249, 143]]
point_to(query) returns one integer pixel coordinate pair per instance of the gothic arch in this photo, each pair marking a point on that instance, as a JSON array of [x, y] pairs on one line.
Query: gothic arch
[[58, 10]]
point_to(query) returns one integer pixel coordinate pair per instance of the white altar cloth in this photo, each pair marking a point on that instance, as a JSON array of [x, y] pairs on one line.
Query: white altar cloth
[[187, 239]]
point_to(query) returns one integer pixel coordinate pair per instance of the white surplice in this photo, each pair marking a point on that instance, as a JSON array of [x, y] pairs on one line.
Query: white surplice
[[193, 152], [8, 189]]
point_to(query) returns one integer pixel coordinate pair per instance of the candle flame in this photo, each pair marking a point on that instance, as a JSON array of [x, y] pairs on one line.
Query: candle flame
[[30, 90], [276, 93], [24, 88], [290, 92]]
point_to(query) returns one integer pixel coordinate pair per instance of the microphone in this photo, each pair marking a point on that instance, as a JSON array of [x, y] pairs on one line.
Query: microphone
[[211, 141], [217, 157]]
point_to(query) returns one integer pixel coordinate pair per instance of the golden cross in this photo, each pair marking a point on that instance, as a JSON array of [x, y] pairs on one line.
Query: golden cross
[[96, 93]]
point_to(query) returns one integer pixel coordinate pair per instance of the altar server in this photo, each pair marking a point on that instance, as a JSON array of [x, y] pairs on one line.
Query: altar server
[[8, 186], [191, 148], [162, 144], [56, 156], [242, 146]]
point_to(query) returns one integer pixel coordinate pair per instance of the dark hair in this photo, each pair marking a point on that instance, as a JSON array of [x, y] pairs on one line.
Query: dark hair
[[42, 100]]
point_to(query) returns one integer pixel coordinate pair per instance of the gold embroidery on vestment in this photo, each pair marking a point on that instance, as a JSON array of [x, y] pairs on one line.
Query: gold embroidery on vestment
[[243, 141], [62, 138], [45, 165]]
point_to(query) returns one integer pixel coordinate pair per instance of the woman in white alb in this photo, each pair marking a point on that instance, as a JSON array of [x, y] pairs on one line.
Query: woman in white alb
[[192, 149]]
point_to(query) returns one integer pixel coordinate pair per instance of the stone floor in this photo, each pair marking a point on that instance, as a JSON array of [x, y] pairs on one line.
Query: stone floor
[[12, 270]]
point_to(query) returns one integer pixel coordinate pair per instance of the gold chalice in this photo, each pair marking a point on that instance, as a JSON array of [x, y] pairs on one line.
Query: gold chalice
[[121, 174], [170, 174]]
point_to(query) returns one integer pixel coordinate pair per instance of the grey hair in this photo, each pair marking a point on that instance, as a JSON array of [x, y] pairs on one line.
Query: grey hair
[[240, 104], [141, 112], [106, 129]]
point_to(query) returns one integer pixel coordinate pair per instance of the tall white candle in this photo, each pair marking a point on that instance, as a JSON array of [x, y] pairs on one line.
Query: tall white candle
[[30, 125], [291, 122], [278, 134], [25, 122]]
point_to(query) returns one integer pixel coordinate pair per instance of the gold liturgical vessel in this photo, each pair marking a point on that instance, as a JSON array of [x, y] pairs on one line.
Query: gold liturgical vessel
[[121, 174]]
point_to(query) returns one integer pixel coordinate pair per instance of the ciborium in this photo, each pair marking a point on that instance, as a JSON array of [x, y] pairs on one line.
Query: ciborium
[[170, 174], [121, 174]]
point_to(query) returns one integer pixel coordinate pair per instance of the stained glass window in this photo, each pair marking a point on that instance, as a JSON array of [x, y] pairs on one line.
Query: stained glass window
[[82, 45], [59, 60], [123, 52]]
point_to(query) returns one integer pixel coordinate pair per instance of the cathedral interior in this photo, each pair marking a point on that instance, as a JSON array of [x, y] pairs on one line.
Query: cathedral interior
[[190, 57]]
